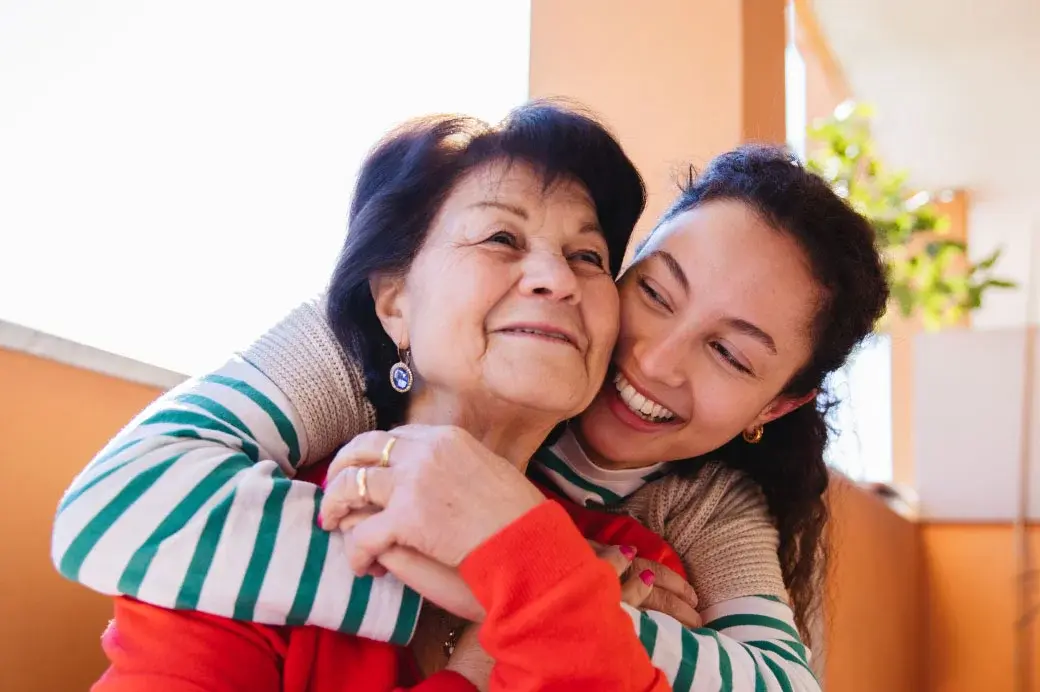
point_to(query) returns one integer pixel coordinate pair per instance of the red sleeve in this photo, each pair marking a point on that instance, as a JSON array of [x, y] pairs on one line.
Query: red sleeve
[[553, 616], [621, 529], [152, 649]]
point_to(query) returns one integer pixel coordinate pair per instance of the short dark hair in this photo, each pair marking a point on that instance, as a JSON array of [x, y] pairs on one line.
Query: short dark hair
[[407, 177], [840, 246]]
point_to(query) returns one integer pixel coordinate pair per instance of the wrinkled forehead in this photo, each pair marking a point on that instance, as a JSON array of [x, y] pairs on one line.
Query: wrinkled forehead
[[518, 179]]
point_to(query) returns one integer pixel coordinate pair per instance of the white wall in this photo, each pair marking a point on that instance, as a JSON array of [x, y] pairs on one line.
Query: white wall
[[969, 433], [174, 176], [957, 87]]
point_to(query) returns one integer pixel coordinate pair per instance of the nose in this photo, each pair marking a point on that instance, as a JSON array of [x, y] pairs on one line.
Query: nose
[[549, 275], [663, 356]]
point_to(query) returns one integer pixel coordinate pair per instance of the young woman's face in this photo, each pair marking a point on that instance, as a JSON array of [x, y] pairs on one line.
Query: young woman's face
[[715, 320]]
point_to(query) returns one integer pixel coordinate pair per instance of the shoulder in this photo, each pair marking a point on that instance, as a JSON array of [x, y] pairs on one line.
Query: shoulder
[[714, 491]]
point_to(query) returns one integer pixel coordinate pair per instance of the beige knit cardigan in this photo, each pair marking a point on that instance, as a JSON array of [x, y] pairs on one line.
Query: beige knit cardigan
[[717, 520]]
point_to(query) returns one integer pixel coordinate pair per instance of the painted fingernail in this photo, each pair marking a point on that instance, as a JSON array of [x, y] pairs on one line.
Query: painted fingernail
[[319, 523], [628, 551], [647, 576]]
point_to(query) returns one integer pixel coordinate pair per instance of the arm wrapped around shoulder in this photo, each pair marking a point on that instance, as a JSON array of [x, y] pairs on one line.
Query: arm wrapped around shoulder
[[719, 523]]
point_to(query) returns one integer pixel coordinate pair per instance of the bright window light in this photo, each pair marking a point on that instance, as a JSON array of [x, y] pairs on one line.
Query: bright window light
[[176, 176]]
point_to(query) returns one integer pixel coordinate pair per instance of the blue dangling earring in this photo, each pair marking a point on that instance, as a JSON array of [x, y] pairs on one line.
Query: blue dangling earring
[[400, 374]]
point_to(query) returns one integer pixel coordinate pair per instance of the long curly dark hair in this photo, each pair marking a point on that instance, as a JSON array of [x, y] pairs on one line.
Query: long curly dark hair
[[840, 246]]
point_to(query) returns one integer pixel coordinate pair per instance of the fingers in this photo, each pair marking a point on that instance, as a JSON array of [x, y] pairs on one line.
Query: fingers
[[436, 582], [617, 556], [668, 603], [636, 589], [356, 517], [365, 449], [370, 539], [343, 493], [666, 579]]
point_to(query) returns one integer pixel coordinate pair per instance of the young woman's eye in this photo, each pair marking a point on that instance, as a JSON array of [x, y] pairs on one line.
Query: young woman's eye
[[504, 238], [590, 256], [653, 294], [730, 358]]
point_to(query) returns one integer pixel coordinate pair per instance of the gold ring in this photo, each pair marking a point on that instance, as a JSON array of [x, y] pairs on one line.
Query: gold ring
[[384, 458], [362, 483]]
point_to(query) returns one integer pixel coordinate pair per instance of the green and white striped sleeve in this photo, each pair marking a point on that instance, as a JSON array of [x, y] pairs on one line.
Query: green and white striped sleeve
[[193, 506], [747, 645]]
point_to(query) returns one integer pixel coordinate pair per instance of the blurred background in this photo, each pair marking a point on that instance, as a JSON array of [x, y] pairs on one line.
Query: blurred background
[[139, 138]]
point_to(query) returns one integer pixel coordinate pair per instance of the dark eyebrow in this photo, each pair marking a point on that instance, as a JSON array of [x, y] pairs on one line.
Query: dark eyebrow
[[674, 267], [591, 227], [742, 326], [511, 208], [755, 332]]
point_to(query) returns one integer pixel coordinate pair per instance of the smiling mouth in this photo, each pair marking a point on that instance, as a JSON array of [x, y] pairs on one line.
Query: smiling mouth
[[647, 409], [558, 337]]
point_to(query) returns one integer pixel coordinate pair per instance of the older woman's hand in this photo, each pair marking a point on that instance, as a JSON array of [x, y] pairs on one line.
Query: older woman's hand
[[443, 493]]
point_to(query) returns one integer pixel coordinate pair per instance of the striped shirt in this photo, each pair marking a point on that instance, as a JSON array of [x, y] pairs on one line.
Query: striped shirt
[[194, 506]]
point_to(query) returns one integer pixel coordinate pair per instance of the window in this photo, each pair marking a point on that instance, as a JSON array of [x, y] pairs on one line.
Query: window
[[861, 442], [176, 176]]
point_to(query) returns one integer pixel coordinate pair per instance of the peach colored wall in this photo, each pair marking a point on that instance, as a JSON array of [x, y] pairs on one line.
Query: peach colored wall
[[53, 419], [970, 609], [874, 601], [678, 84]]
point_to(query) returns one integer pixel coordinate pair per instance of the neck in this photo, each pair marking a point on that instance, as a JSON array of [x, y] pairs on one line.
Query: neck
[[601, 461], [510, 432]]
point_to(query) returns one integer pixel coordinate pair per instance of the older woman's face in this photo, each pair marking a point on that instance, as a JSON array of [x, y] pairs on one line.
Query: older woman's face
[[510, 298]]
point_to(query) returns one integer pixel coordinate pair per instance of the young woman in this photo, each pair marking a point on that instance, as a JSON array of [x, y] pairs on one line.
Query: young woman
[[757, 283]]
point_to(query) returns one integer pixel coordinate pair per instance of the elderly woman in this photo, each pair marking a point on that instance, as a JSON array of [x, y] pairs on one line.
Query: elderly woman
[[483, 259], [757, 283]]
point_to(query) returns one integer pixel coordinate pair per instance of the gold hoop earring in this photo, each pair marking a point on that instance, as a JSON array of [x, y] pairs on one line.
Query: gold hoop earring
[[754, 436]]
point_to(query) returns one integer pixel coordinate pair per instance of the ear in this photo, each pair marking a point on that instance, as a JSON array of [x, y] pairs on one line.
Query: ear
[[391, 301], [781, 406]]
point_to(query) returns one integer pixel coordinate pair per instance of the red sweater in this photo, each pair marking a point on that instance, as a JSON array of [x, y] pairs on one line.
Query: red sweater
[[553, 623]]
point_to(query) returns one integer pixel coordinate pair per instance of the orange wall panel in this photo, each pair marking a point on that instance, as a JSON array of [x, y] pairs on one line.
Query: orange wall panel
[[970, 607], [874, 596], [53, 418]]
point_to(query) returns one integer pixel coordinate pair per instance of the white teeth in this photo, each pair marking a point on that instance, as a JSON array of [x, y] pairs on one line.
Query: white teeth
[[558, 337], [646, 409]]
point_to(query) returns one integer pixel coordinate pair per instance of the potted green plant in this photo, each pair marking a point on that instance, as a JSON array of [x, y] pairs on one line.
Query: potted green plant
[[930, 274]]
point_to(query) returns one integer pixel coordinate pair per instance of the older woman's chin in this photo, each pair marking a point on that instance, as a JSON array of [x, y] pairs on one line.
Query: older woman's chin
[[561, 392]]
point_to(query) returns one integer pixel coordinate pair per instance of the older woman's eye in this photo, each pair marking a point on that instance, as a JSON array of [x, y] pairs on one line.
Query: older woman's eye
[[505, 238], [592, 257]]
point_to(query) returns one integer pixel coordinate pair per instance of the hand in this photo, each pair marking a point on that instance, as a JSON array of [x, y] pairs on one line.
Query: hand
[[426, 494], [470, 660], [437, 583], [649, 585]]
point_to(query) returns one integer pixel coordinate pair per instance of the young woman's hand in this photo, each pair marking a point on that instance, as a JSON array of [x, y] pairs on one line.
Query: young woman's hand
[[649, 585]]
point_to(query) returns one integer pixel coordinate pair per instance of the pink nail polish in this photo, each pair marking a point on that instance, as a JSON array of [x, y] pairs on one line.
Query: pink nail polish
[[628, 551], [647, 576], [319, 523]]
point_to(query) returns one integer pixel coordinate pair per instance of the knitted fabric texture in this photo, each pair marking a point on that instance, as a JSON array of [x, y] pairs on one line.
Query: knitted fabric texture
[[717, 520], [301, 356]]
